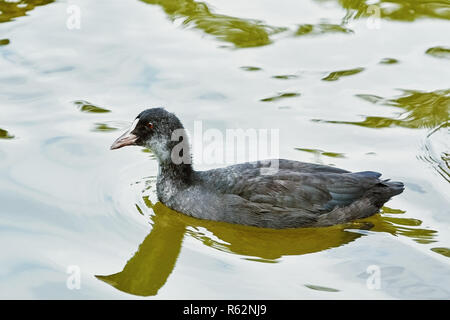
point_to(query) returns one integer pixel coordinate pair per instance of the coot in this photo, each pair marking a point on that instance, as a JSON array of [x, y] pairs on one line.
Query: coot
[[297, 194]]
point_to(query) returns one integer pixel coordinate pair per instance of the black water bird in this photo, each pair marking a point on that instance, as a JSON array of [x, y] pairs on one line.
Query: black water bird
[[294, 194]]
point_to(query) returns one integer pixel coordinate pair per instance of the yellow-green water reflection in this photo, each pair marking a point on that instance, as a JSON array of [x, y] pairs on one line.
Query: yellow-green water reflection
[[403, 10], [242, 33], [336, 75], [420, 110], [439, 52], [13, 9], [85, 106], [321, 28], [150, 267], [4, 134]]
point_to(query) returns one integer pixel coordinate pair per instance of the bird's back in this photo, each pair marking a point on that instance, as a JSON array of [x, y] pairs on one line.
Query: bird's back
[[297, 194]]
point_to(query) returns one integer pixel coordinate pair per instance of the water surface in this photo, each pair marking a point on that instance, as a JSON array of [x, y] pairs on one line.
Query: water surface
[[363, 85]]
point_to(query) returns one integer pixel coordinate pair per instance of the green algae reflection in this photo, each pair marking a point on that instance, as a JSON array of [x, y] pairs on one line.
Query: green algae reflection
[[418, 110], [285, 76], [88, 107], [336, 75], [281, 95], [391, 221], [104, 127], [250, 68], [398, 10], [442, 251], [388, 61], [439, 52], [5, 135], [242, 33], [13, 9], [321, 28]]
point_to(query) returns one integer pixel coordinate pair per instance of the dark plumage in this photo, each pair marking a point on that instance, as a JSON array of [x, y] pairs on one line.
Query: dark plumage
[[298, 194]]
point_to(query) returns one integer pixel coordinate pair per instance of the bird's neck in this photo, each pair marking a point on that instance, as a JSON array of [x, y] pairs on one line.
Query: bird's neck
[[178, 173], [172, 179], [175, 162]]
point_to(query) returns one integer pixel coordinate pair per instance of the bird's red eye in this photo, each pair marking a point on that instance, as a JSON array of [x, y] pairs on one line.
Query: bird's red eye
[[150, 125]]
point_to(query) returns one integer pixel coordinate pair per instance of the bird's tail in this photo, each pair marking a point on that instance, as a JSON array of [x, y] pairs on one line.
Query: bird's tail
[[370, 204], [384, 191], [396, 187]]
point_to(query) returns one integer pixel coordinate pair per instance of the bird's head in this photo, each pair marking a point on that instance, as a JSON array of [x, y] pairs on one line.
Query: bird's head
[[156, 129]]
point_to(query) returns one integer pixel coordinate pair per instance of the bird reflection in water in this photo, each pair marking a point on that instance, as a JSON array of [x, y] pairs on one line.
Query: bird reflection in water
[[148, 270]]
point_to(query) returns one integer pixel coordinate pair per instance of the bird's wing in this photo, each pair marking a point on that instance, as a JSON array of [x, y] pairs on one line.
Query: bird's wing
[[315, 188]]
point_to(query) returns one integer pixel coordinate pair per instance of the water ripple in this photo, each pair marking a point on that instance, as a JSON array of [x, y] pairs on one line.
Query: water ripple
[[435, 150]]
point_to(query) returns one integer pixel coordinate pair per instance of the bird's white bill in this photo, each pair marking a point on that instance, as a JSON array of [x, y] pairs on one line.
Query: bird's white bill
[[126, 139]]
